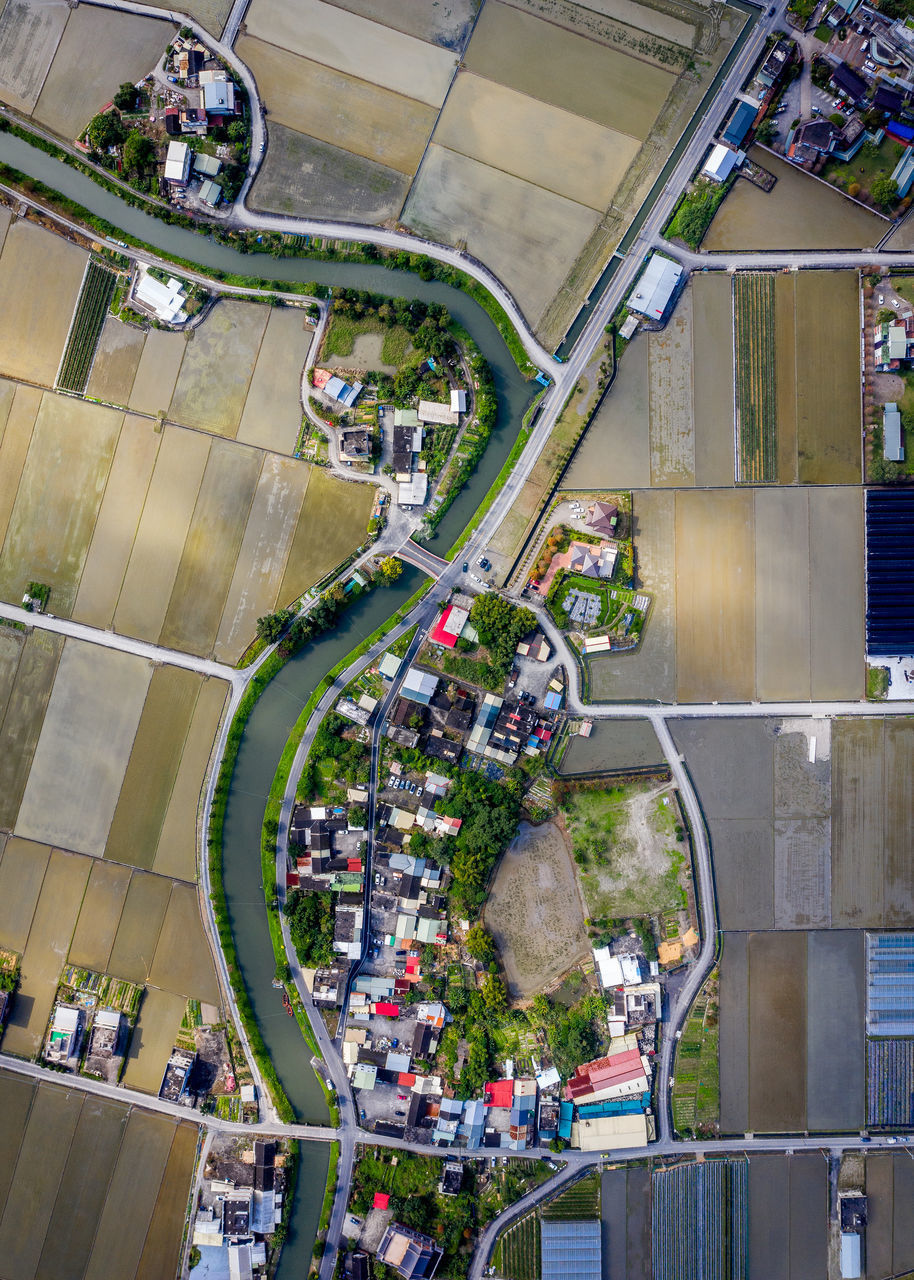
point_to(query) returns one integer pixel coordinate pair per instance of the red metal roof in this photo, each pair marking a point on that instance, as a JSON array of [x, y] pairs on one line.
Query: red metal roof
[[500, 1093], [353, 864], [438, 633], [291, 879], [406, 1077], [604, 1072], [381, 1200], [387, 1010]]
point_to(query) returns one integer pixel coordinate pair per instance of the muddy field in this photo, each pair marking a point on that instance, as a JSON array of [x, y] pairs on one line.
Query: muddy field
[[671, 410], [99, 916], [613, 746], [40, 279], [534, 911], [616, 450], [333, 522], [22, 870], [791, 1191], [712, 389], [272, 409], [798, 213], [532, 140], [356, 46], [85, 742], [625, 1211], [303, 176], [100, 50], [183, 962], [157, 372], [448, 25], [30, 31], [890, 1226], [210, 13], [217, 368], [153, 1039], [24, 718], [117, 358]]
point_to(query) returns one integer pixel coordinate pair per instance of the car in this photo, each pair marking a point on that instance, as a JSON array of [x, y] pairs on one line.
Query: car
[[401, 953], [891, 1141], [172, 79], [263, 146], [329, 1083], [881, 299], [817, 111], [476, 578], [395, 1043], [402, 1097], [361, 1113], [399, 1113], [466, 566]]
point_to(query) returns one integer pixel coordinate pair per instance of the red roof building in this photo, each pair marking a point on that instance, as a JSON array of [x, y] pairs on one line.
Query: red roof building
[[440, 634], [387, 1010], [500, 1093], [604, 1073], [381, 1200], [406, 1078], [353, 864]]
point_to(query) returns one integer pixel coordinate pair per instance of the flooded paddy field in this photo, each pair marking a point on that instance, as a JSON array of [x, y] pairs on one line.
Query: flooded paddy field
[[798, 213], [890, 1226], [626, 1223], [153, 1039], [534, 911], [613, 747], [271, 417], [24, 717], [117, 358], [84, 1178], [615, 452], [792, 1192], [791, 1059], [29, 35], [40, 278]]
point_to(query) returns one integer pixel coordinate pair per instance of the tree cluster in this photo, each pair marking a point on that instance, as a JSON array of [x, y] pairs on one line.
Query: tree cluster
[[489, 813], [501, 626], [311, 918]]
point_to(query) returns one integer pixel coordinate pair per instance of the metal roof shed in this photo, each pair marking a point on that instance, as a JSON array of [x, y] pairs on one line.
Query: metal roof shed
[[892, 448], [655, 287], [850, 1256], [571, 1250]]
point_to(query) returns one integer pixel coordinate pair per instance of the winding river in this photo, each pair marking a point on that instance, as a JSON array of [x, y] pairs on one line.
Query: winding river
[[277, 710]]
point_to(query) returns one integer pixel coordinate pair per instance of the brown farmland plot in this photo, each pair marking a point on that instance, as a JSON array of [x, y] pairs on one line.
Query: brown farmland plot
[[11, 646], [153, 1039], [261, 564], [176, 854], [535, 141], [40, 278], [715, 596], [345, 111], [16, 1097], [712, 332], [183, 962], [672, 414], [139, 927], [6, 216], [211, 14], [782, 594], [157, 371], [163, 1239], [29, 34], [24, 718], [828, 394], [217, 367], [135, 1182], [153, 766], [159, 544], [211, 548], [567, 70], [45, 952], [14, 447], [118, 519], [117, 359], [272, 411], [777, 1040], [836, 593], [859, 820], [332, 524], [449, 27], [899, 795], [45, 1145], [84, 745], [616, 448], [303, 176], [82, 1191], [22, 871], [100, 49], [60, 492], [356, 46], [99, 916]]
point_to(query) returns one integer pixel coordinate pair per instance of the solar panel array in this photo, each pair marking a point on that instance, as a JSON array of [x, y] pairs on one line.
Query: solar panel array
[[890, 984], [889, 572], [699, 1220], [570, 1250]]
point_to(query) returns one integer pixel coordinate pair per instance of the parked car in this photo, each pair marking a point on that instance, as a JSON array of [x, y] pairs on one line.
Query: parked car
[[881, 299], [466, 566]]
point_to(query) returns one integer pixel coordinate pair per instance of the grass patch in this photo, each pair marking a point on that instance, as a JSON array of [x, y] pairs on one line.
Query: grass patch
[[877, 683], [580, 1202], [344, 329], [695, 211]]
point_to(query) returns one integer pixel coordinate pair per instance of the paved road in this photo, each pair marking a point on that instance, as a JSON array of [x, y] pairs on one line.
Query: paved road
[[125, 644]]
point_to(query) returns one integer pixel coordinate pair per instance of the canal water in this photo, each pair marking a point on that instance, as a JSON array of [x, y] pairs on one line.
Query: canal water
[[278, 708]]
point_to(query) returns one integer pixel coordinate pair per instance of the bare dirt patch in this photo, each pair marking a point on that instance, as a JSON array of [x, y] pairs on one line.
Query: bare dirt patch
[[534, 912]]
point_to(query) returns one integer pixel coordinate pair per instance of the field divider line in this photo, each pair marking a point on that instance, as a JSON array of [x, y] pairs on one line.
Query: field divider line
[[66, 345]]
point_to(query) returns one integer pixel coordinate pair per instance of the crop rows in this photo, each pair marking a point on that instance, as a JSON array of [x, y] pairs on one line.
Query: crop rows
[[699, 1221], [890, 1082], [517, 1253], [756, 377], [581, 1201], [91, 309]]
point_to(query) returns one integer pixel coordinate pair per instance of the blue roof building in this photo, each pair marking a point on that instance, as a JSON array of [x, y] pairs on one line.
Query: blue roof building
[[473, 1125], [566, 1115], [739, 124], [571, 1250]]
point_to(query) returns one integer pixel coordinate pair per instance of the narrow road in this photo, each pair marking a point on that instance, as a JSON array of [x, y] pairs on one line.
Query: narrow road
[[124, 644]]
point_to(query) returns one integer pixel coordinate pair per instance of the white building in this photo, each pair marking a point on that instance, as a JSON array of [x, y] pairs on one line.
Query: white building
[[166, 301], [721, 163], [433, 411], [655, 287], [413, 492], [177, 163], [892, 448], [458, 402]]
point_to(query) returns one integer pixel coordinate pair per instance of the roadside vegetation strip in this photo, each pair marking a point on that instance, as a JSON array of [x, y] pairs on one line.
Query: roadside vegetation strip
[[329, 1195], [756, 384], [88, 318]]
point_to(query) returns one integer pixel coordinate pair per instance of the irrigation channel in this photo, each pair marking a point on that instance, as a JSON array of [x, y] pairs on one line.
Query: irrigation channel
[[278, 708]]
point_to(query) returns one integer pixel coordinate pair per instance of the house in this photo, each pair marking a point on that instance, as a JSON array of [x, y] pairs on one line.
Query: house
[[165, 301], [172, 122], [538, 648], [390, 665], [66, 1028], [106, 1033], [892, 448], [355, 445], [458, 401], [337, 389], [419, 686], [775, 64], [593, 562], [451, 1177], [739, 124], [655, 287], [414, 491], [603, 518], [177, 1075], [721, 163], [888, 100], [619, 1075], [206, 164], [411, 1254], [177, 163], [614, 1132], [447, 629], [236, 1213], [193, 120], [435, 412], [849, 82], [219, 98], [210, 192]]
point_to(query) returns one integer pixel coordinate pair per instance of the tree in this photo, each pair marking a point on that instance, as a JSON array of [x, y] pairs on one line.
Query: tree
[[126, 97], [389, 570], [882, 471], [495, 994], [886, 316], [105, 131], [853, 189], [237, 132], [271, 626], [139, 153], [884, 192], [766, 131], [501, 626], [480, 944]]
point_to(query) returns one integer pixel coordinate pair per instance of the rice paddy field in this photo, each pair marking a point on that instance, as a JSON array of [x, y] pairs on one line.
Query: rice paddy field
[[88, 1184], [798, 213], [40, 279], [791, 1057], [514, 130], [791, 1190], [625, 1200], [613, 746]]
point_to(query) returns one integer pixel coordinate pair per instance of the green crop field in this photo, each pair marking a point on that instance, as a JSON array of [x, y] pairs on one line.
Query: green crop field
[[580, 1202], [517, 1253], [696, 1093], [88, 318], [756, 384]]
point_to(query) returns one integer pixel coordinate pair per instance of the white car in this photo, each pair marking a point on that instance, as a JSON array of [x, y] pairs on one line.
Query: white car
[[476, 578], [881, 299]]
